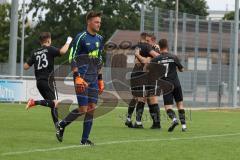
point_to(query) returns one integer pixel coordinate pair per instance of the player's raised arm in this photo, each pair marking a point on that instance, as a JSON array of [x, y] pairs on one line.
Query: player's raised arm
[[64, 49]]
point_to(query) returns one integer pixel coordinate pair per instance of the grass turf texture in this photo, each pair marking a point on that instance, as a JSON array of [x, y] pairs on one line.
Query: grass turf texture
[[212, 135]]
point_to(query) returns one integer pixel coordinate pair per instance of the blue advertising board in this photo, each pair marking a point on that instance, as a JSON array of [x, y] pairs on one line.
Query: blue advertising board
[[11, 90]]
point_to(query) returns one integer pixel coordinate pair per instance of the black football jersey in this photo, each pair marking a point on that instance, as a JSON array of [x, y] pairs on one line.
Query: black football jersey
[[171, 63], [43, 61], [145, 50]]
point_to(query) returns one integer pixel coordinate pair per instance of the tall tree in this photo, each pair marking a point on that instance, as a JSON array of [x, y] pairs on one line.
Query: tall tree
[[5, 29], [195, 7]]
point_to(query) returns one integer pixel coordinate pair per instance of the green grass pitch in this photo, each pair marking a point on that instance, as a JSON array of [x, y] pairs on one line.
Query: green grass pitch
[[211, 135]]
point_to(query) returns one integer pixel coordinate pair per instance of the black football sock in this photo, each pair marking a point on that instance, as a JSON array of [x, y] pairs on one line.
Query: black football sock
[[181, 114], [155, 113], [73, 115], [131, 108], [171, 114], [46, 103], [139, 111], [87, 126], [54, 113]]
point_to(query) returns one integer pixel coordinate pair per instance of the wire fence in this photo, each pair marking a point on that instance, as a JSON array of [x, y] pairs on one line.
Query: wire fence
[[205, 47]]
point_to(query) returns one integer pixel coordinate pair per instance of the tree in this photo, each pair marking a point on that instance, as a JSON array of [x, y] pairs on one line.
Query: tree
[[5, 28], [229, 16], [195, 7]]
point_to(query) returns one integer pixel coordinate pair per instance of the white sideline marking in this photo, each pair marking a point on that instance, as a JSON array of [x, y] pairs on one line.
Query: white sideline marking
[[117, 142]]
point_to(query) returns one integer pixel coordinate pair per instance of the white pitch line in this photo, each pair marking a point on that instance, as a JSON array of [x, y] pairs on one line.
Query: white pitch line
[[117, 142]]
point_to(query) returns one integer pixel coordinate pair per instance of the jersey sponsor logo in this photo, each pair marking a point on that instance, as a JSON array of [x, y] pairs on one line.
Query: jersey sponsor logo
[[41, 52], [93, 54], [88, 44], [166, 61]]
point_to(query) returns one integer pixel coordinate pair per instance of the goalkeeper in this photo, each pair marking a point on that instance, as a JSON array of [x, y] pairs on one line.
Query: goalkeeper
[[86, 61]]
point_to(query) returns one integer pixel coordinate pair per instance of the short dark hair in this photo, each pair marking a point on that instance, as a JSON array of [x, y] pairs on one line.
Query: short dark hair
[[143, 35], [44, 36], [93, 14], [163, 43]]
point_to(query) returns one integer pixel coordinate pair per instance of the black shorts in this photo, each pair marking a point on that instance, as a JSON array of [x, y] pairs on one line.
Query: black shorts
[[176, 94], [153, 91], [143, 86], [46, 89], [137, 82]]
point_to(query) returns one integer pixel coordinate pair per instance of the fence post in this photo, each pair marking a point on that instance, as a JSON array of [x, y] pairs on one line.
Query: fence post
[[170, 32], [183, 54], [208, 59], [230, 79], [195, 59], [184, 39], [156, 23], [235, 56], [142, 18], [12, 58], [219, 63]]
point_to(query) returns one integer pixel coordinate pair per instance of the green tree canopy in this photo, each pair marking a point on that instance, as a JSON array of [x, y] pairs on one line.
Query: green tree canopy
[[195, 7], [229, 16], [5, 28]]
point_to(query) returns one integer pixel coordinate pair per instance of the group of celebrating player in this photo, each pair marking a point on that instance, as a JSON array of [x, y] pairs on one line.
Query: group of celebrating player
[[155, 63], [86, 63]]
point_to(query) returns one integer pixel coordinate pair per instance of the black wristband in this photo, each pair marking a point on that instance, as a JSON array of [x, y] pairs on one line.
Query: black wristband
[[99, 76]]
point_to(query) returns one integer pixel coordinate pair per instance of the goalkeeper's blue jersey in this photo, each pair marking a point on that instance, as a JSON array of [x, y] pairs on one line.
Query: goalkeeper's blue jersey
[[86, 53]]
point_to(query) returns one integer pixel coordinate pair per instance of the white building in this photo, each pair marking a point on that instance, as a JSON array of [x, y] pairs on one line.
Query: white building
[[217, 15]]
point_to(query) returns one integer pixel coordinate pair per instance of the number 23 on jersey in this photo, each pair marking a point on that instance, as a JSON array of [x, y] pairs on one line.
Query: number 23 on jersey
[[42, 61]]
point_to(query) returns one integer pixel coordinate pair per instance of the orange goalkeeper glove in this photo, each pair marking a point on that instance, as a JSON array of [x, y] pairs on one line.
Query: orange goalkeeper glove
[[100, 84], [80, 83]]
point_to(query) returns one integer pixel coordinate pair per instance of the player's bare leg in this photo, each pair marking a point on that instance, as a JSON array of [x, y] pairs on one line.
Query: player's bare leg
[[171, 114], [181, 114]]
